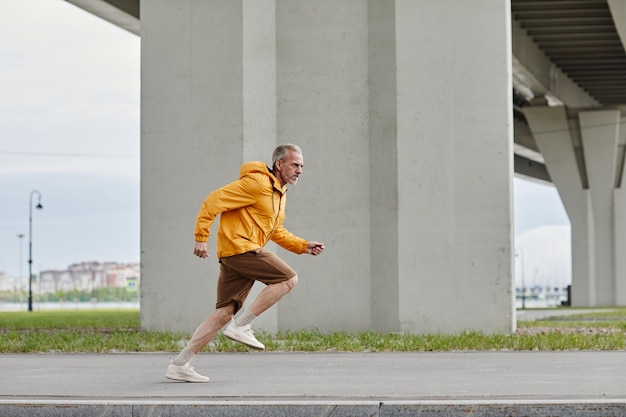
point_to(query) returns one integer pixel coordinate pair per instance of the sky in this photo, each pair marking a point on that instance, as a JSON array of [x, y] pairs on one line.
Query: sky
[[69, 128]]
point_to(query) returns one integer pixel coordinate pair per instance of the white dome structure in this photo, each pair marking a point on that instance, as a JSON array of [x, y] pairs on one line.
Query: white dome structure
[[543, 260]]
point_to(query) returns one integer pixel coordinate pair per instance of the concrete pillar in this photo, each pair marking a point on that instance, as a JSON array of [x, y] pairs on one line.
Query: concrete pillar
[[191, 142], [599, 132], [405, 124], [383, 169], [584, 156], [440, 257], [259, 105], [620, 219], [553, 135], [620, 245], [259, 79], [454, 151], [322, 104]]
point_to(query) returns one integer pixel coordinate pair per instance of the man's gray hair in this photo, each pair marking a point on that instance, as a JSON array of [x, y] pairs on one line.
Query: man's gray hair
[[281, 152]]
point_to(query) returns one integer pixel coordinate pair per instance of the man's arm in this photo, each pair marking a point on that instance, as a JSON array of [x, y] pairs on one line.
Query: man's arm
[[237, 194], [293, 243]]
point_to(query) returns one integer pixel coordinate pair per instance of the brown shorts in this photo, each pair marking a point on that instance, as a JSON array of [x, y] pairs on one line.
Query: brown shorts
[[238, 273]]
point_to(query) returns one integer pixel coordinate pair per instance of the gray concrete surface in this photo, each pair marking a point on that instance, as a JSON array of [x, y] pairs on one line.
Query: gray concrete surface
[[318, 384], [396, 148]]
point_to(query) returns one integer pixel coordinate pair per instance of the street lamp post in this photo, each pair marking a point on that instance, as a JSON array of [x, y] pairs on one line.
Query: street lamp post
[[521, 256], [19, 278], [30, 245]]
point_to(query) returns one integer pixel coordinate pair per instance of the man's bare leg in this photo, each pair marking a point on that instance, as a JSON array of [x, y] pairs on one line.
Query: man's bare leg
[[240, 330], [271, 294], [205, 332], [180, 369]]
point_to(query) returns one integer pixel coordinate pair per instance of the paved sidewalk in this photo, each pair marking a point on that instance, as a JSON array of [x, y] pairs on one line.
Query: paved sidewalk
[[318, 384]]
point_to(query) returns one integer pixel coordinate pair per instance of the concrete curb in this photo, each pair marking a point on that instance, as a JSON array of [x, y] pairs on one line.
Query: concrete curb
[[114, 408]]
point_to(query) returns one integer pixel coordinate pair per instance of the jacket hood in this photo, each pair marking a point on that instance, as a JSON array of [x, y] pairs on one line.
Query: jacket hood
[[252, 167], [257, 167]]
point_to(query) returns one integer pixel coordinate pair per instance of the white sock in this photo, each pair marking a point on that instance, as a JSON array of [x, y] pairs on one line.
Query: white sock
[[245, 318], [185, 356]]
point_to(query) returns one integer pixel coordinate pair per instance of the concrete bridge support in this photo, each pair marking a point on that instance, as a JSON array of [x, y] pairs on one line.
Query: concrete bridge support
[[403, 111], [584, 154]]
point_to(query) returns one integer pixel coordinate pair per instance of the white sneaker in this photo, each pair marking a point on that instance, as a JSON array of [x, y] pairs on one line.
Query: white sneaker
[[243, 334], [184, 373]]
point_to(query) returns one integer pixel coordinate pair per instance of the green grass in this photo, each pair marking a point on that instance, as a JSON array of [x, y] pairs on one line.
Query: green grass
[[70, 319], [118, 331], [611, 318]]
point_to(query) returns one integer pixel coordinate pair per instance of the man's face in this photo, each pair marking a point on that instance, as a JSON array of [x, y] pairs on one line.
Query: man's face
[[290, 168]]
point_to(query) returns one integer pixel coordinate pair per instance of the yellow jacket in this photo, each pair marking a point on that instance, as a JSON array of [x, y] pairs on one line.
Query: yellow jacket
[[252, 212]]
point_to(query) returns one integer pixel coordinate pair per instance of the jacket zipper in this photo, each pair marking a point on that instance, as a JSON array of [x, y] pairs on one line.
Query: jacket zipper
[[280, 202]]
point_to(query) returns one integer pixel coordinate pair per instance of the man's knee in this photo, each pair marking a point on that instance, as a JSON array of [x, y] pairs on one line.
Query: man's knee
[[225, 314], [291, 282]]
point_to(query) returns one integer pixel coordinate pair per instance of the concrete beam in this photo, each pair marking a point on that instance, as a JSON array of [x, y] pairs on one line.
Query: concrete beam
[[526, 167], [122, 13], [618, 11], [534, 75]]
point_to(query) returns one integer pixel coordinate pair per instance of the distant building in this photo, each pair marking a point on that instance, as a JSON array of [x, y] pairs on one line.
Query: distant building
[[88, 276], [12, 284]]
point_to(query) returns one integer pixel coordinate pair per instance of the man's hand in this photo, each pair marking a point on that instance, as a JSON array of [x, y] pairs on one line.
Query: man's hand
[[201, 249], [314, 248]]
